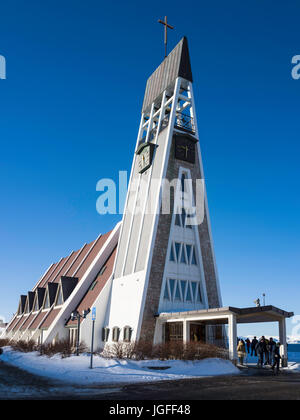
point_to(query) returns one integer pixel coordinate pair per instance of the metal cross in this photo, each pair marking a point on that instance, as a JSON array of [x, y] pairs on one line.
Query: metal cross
[[165, 23]]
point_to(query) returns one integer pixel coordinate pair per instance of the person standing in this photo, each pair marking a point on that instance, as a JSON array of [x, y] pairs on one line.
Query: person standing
[[277, 357], [272, 347], [261, 351], [248, 345], [241, 349], [253, 347]]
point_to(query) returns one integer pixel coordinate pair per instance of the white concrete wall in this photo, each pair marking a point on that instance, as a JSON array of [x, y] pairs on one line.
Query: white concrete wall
[[126, 303]]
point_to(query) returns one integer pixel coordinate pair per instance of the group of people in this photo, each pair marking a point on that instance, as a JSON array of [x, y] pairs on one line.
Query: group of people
[[267, 351]]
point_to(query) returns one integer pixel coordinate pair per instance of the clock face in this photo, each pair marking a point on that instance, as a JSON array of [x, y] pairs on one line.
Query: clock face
[[144, 159], [145, 155], [185, 149]]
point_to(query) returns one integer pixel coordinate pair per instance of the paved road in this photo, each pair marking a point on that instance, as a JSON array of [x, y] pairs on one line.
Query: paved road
[[251, 385]]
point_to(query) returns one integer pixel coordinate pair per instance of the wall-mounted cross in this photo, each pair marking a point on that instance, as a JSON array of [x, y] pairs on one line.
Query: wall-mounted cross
[[165, 23]]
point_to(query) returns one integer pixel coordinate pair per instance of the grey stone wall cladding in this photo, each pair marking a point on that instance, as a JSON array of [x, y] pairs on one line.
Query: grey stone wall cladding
[[160, 253]]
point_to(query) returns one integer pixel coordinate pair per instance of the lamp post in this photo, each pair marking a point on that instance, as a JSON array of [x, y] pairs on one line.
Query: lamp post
[[77, 316]]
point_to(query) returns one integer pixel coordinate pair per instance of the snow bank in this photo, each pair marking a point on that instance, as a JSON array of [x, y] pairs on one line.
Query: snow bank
[[76, 370]]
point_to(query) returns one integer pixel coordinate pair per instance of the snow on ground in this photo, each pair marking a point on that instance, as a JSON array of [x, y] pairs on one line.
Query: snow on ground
[[108, 371]]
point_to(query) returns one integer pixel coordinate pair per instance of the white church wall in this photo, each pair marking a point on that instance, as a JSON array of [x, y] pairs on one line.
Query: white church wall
[[127, 295], [149, 219]]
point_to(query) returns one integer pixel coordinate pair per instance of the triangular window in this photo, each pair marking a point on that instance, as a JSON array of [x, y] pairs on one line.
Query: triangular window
[[36, 304], [47, 301], [188, 252], [59, 300], [199, 294], [188, 294], [183, 258], [172, 255], [183, 287], [194, 288], [178, 293], [194, 259], [172, 286], [166, 294], [177, 249]]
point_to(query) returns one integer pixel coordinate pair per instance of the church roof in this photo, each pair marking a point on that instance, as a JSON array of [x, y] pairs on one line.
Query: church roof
[[67, 272], [96, 287], [176, 64]]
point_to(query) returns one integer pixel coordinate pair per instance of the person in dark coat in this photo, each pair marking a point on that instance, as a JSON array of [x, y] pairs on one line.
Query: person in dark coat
[[261, 349], [248, 345], [272, 347], [253, 346], [277, 358]]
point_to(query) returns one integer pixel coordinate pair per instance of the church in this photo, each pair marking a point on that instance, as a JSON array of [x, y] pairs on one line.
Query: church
[[154, 276]]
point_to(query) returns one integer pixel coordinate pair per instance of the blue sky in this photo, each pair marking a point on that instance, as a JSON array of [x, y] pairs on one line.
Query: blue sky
[[69, 114]]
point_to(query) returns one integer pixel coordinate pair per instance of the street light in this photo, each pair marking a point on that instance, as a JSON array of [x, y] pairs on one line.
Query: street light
[[76, 316]]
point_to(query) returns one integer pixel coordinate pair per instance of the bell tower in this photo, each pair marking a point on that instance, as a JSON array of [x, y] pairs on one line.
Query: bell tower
[[165, 260]]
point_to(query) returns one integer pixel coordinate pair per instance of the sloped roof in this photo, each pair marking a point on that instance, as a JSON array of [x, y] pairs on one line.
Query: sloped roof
[[96, 287], [68, 271], [177, 64]]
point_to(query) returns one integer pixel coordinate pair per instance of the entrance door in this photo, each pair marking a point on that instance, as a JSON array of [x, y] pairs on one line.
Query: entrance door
[[174, 331], [197, 332]]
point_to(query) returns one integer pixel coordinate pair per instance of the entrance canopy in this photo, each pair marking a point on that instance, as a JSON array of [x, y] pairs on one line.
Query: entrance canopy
[[231, 316], [243, 315]]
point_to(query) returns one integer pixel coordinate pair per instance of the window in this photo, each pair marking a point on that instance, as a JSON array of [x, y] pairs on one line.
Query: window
[[105, 334], [59, 299], [183, 217], [178, 292], [194, 259], [188, 294], [47, 301], [101, 272], [166, 294], [184, 283], [183, 259], [188, 252], [183, 253], [172, 255], [172, 287], [177, 249], [116, 334], [194, 289], [36, 305], [73, 336], [177, 220], [127, 334], [93, 285], [183, 177], [199, 294]]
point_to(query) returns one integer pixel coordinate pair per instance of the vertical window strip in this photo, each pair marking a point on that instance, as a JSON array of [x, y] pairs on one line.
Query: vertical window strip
[[184, 284], [178, 292]]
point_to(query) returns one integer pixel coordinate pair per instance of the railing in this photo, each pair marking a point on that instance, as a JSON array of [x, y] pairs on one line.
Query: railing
[[184, 122]]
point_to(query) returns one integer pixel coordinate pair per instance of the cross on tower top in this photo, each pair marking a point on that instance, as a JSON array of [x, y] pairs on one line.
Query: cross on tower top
[[165, 23]]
